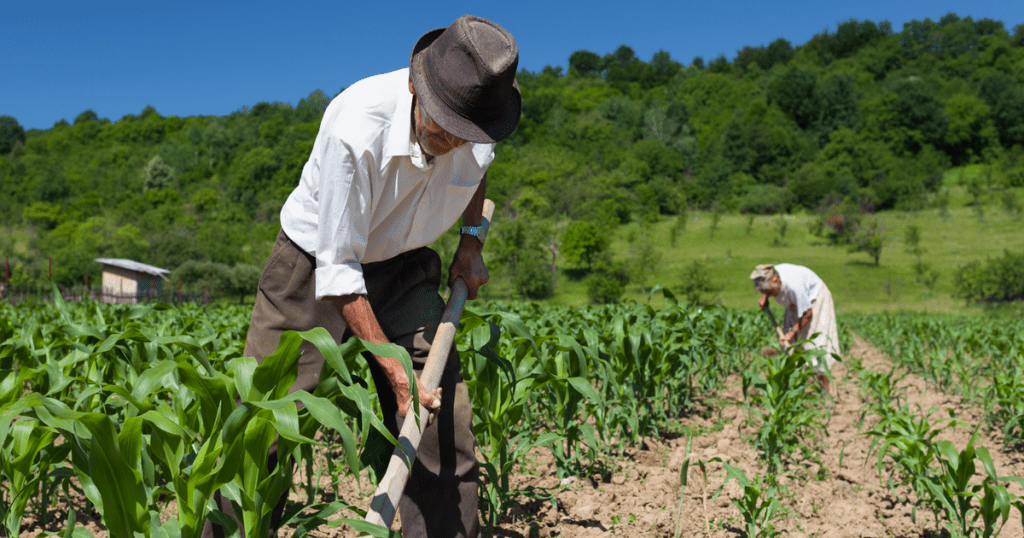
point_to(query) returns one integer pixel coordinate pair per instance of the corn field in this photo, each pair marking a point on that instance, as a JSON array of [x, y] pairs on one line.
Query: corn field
[[132, 412]]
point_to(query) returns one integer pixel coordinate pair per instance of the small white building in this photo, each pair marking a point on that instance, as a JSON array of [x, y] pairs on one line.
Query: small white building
[[127, 281]]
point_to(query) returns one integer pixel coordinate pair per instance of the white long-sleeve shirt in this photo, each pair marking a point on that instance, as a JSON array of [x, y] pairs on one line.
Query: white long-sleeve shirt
[[367, 192], [800, 287]]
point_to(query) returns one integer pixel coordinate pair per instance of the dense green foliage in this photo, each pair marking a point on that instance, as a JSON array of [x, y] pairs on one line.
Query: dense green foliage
[[864, 114]]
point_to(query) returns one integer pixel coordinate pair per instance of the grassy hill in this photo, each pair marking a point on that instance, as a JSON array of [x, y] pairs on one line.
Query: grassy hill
[[730, 253]]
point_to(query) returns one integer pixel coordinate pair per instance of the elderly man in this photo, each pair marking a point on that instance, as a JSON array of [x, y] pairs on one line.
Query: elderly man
[[809, 309], [399, 157]]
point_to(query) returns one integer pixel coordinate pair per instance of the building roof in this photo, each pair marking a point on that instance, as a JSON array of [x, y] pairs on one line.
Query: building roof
[[132, 265]]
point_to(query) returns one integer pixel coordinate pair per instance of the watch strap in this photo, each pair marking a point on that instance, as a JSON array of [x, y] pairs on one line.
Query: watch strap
[[477, 231]]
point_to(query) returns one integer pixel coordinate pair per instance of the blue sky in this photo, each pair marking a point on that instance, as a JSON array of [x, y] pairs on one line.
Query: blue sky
[[58, 59]]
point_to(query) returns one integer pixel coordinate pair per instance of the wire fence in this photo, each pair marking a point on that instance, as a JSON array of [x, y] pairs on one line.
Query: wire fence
[[21, 294]]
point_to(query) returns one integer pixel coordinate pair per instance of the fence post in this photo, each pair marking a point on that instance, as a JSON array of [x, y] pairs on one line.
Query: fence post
[[49, 267]]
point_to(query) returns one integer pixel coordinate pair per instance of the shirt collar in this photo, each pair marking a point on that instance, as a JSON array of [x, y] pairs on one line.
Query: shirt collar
[[399, 141]]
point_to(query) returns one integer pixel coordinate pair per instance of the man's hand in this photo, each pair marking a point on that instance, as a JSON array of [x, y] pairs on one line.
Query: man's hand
[[469, 264], [400, 385], [358, 314], [762, 301], [787, 338]]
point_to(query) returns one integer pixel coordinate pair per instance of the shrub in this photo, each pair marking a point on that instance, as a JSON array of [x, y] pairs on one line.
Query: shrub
[[195, 276], [608, 281], [998, 280], [767, 200], [604, 289], [533, 278], [837, 222]]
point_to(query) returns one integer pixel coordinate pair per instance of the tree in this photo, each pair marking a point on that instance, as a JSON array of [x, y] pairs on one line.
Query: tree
[[157, 174], [243, 279], [644, 260], [795, 93], [11, 133], [312, 107], [583, 242], [661, 69], [608, 281], [1006, 101], [585, 62], [87, 116], [868, 238], [521, 247], [837, 98], [198, 276], [697, 283], [917, 109], [998, 280], [970, 130], [779, 51]]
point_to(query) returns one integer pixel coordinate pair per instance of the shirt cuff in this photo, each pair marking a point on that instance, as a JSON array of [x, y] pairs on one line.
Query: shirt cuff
[[338, 280]]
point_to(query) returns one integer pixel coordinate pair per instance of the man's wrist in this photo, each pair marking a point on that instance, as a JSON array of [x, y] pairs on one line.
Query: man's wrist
[[471, 242], [478, 232]]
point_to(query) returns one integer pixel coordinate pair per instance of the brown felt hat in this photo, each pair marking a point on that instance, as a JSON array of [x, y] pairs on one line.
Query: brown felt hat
[[465, 79]]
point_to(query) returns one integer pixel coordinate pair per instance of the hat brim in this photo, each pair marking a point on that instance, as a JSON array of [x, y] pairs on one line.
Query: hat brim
[[464, 128]]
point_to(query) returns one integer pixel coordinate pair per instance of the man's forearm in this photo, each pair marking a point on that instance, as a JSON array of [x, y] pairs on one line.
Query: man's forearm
[[359, 316], [473, 214]]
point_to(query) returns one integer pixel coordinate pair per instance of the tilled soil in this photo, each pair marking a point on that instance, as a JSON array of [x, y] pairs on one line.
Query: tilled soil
[[843, 497]]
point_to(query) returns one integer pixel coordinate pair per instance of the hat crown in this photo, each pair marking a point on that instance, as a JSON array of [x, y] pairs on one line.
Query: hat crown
[[469, 69]]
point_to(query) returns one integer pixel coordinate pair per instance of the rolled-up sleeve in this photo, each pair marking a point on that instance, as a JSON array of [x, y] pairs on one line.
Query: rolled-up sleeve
[[344, 219]]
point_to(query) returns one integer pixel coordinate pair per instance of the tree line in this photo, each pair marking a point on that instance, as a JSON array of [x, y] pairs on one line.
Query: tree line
[[856, 120]]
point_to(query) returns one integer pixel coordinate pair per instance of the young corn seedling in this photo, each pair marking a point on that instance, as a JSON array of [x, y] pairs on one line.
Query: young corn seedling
[[684, 476], [885, 399], [759, 504]]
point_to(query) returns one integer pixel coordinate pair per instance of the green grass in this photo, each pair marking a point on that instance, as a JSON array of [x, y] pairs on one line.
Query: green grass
[[856, 284]]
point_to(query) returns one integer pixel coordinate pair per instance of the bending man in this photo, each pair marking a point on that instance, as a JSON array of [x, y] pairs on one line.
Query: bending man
[[398, 158], [809, 309]]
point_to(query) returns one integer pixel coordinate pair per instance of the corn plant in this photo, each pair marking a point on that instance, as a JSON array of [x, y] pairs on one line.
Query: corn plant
[[907, 442], [1004, 404], [789, 409], [759, 504], [975, 357], [885, 398], [500, 389], [961, 504]]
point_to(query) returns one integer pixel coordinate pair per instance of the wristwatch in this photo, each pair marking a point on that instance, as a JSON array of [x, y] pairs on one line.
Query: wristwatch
[[477, 231]]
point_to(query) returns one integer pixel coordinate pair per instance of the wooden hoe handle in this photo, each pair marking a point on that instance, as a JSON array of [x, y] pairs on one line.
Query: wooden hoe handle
[[389, 491], [768, 310]]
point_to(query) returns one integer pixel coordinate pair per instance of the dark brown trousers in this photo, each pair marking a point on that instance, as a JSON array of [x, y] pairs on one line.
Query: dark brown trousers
[[440, 499]]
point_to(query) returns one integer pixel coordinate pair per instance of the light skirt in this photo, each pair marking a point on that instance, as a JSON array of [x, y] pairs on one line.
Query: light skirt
[[823, 322]]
